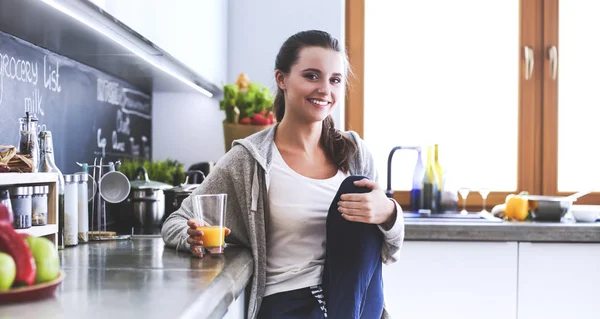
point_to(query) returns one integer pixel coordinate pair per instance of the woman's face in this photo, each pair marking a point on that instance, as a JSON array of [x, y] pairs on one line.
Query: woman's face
[[314, 84]]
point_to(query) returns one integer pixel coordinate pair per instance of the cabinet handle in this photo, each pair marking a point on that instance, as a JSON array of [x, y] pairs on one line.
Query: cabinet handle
[[553, 56], [528, 52]]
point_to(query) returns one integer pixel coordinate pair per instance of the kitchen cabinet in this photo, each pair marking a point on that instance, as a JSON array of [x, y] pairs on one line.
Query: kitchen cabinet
[[237, 308], [559, 280], [462, 280]]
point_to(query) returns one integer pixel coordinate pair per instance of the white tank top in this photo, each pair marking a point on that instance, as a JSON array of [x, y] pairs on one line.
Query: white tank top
[[296, 229]]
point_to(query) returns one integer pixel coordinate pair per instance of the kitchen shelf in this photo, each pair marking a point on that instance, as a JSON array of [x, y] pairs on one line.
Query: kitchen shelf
[[50, 230], [27, 178], [37, 231]]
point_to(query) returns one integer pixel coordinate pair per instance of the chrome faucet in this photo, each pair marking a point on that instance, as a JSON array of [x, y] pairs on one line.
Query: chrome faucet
[[389, 192]]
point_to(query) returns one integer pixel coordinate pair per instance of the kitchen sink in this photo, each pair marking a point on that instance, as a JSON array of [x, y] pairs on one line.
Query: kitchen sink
[[452, 217]]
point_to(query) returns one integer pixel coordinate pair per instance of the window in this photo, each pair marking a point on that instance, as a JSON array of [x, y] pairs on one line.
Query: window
[[481, 79]]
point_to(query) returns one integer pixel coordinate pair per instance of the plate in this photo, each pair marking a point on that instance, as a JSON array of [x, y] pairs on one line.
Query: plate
[[34, 292]]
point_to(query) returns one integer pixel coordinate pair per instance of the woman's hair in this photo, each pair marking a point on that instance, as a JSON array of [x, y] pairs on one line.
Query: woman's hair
[[337, 148]]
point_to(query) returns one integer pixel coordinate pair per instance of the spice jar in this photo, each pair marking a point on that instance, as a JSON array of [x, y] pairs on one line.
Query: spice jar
[[71, 210], [20, 197], [82, 203], [5, 200], [39, 205]]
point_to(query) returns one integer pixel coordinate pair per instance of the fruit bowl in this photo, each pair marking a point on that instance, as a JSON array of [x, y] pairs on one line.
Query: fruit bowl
[[34, 292]]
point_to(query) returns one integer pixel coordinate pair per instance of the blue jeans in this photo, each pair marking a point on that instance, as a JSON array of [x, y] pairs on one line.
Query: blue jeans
[[352, 279]]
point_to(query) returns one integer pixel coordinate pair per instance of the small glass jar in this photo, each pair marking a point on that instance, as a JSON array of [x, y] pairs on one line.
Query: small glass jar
[[71, 211], [20, 197], [39, 207], [5, 200], [82, 203]]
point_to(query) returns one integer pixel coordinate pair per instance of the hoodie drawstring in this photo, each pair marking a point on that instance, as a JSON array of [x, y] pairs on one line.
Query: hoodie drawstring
[[255, 189]]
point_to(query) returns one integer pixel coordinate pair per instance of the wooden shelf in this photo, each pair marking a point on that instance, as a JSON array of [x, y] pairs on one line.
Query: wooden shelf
[[37, 231], [27, 178], [50, 230]]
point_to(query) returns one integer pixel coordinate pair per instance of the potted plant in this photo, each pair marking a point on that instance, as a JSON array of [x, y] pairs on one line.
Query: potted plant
[[248, 109]]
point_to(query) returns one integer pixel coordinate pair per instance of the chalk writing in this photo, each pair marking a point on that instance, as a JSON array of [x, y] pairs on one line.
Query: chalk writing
[[17, 69], [123, 123], [51, 80], [116, 145], [33, 104], [128, 99], [135, 148]]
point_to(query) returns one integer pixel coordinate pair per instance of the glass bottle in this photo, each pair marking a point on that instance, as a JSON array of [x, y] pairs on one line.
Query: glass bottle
[[440, 176], [47, 164], [82, 207], [28, 141], [415, 192], [429, 186], [71, 210]]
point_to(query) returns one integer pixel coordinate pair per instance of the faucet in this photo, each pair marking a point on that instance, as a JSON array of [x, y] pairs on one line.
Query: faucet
[[389, 192]]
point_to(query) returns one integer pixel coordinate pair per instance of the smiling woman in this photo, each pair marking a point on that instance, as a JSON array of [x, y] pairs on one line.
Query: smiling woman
[[330, 226]]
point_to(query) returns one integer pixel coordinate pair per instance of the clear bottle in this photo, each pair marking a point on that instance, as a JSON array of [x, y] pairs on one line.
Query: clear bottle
[[71, 210], [415, 192], [47, 164], [430, 188], [28, 141], [439, 170], [82, 207]]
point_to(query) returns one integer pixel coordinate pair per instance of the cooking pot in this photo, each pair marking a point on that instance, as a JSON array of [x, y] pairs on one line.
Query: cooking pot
[[175, 196], [148, 201]]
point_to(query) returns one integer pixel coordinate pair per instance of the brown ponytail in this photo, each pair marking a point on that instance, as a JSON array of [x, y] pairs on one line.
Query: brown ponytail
[[338, 148]]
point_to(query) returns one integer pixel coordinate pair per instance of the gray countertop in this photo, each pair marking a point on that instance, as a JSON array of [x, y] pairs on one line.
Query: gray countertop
[[504, 231], [141, 278]]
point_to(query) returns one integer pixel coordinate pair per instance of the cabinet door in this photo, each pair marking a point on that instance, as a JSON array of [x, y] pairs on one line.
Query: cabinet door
[[559, 281], [448, 280]]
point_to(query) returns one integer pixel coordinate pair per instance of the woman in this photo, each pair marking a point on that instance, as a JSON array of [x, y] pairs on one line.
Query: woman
[[302, 196]]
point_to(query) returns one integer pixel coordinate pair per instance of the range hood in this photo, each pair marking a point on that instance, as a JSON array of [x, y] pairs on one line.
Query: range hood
[[83, 32]]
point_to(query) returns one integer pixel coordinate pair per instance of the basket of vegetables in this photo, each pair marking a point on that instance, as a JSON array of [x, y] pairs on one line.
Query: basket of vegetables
[[248, 109]]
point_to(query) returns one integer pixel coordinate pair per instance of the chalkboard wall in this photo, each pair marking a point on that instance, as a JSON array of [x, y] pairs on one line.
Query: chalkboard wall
[[88, 112]]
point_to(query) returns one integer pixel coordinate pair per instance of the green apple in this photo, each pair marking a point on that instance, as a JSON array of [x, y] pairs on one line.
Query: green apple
[[46, 259], [8, 271]]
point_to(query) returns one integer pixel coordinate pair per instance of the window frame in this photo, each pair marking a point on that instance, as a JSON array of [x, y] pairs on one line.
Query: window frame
[[538, 110]]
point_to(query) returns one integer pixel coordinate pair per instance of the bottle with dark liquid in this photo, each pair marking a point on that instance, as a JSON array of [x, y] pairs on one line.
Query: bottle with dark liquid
[[415, 192], [429, 186], [47, 165]]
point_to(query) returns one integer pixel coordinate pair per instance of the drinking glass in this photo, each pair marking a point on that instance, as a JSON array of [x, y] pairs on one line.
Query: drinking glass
[[484, 194], [464, 192], [210, 210]]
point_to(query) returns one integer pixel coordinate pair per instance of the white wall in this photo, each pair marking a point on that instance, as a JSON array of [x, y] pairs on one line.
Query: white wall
[[258, 28], [187, 127], [219, 39]]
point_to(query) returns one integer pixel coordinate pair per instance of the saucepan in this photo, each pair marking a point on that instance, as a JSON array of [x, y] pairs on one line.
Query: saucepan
[[552, 208]]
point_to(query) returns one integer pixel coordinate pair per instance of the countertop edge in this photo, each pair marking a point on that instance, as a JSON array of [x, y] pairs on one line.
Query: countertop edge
[[516, 232], [223, 290]]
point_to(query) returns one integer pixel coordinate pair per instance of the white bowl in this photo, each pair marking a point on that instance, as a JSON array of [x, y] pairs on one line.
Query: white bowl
[[585, 213]]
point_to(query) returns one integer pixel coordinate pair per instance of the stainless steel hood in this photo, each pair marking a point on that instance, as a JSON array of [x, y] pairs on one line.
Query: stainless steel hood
[[81, 31]]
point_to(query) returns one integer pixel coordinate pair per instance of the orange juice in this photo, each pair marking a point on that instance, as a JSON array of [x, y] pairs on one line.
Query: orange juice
[[214, 236]]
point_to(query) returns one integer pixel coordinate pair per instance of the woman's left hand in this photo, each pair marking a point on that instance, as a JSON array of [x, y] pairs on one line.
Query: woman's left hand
[[371, 208]]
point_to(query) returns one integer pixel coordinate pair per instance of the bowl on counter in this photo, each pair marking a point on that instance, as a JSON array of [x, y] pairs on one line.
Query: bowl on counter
[[585, 213], [549, 208], [552, 208]]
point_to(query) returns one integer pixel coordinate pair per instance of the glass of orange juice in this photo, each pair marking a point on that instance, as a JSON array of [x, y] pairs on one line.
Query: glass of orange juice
[[210, 209]]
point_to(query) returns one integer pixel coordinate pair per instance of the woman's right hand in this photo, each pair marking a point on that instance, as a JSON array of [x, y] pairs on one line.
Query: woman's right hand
[[195, 236]]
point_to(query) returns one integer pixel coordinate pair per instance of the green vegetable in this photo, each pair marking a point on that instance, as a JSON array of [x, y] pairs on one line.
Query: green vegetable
[[251, 100], [167, 171]]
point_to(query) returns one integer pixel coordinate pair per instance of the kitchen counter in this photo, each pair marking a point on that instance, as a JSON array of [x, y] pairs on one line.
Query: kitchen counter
[[563, 232], [141, 278]]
